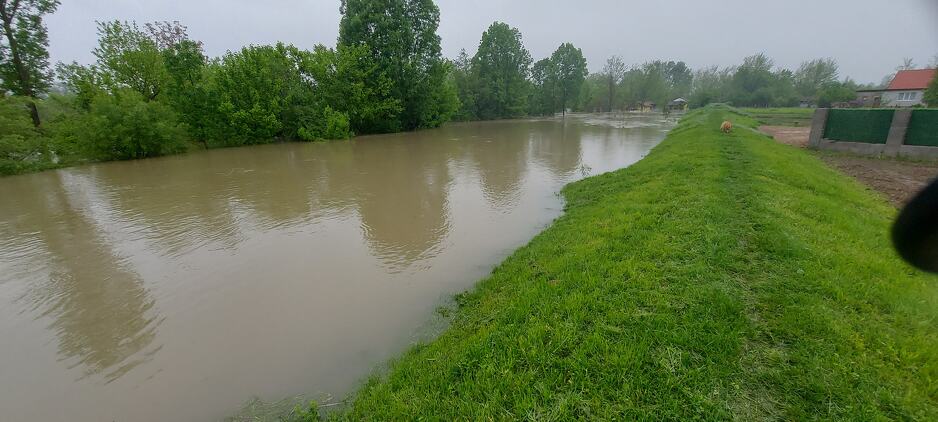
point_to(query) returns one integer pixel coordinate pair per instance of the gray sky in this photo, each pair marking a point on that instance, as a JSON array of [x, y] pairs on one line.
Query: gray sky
[[868, 38]]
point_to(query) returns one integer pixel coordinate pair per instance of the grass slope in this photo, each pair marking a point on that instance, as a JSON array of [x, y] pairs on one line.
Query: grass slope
[[722, 277]]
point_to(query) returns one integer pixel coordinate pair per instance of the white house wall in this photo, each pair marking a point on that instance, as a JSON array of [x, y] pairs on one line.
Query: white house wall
[[891, 98]]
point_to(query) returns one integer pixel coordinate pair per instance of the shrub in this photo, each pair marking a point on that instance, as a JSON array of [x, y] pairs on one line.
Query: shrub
[[22, 147], [931, 93], [834, 93], [124, 126], [329, 124], [310, 414], [255, 95]]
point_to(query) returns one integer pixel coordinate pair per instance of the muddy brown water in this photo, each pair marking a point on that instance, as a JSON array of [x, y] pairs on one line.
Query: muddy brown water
[[178, 288]]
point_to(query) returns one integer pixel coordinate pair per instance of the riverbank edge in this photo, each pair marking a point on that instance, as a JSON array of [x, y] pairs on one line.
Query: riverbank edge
[[723, 276], [195, 147]]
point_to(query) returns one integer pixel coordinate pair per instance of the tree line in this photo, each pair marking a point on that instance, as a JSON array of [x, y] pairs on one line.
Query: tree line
[[152, 90], [502, 81]]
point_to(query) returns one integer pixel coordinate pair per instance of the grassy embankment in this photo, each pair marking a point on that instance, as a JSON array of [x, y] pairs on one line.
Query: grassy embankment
[[722, 277], [785, 116]]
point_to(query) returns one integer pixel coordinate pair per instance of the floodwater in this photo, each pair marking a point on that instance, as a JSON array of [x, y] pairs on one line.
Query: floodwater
[[179, 288]]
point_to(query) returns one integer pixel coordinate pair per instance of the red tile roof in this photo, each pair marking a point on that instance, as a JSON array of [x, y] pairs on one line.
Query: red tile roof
[[912, 79]]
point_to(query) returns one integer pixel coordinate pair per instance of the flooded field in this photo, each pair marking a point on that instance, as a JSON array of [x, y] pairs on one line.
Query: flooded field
[[179, 288]]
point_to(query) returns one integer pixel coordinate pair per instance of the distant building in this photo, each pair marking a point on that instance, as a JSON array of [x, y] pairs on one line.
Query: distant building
[[677, 104], [907, 88], [642, 106], [868, 98]]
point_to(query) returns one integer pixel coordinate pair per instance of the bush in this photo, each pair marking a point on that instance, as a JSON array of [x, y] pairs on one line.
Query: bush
[[255, 95], [22, 147], [310, 414], [931, 93], [327, 125], [124, 126], [835, 93]]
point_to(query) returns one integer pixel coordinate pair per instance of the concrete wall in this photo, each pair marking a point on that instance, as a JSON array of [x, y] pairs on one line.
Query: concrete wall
[[894, 146]]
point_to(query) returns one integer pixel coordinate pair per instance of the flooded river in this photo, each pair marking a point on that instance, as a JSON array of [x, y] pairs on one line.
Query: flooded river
[[178, 288]]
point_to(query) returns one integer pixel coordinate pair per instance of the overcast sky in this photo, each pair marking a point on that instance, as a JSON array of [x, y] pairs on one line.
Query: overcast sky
[[868, 38]]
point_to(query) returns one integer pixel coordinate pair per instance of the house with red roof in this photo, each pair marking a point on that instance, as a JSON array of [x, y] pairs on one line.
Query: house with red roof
[[907, 88]]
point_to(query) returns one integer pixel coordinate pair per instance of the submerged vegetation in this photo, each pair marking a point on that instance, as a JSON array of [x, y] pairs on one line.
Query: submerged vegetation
[[722, 277]]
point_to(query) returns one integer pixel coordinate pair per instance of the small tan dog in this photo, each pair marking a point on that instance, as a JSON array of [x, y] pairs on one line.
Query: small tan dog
[[726, 127]]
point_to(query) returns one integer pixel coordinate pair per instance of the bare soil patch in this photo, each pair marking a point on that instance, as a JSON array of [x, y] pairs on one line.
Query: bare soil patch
[[794, 136], [898, 179]]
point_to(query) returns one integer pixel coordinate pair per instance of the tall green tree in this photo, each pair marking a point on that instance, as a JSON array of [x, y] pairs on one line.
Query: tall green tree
[[613, 72], [186, 87], [650, 83], [751, 84], [24, 49], [543, 81], [836, 92], [593, 94], [466, 86], [158, 61], [568, 67], [783, 91], [261, 95], [347, 82], [128, 57], [183, 62], [402, 40], [710, 85], [813, 75], [501, 65], [679, 78]]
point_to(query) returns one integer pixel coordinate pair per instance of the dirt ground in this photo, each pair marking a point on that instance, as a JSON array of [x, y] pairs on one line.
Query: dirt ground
[[794, 136], [898, 179]]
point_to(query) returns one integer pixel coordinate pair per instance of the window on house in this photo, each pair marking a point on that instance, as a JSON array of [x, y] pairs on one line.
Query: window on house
[[912, 95]]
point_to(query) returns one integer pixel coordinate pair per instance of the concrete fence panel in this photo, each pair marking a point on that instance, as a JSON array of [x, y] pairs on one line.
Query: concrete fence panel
[[923, 128], [870, 126], [890, 132]]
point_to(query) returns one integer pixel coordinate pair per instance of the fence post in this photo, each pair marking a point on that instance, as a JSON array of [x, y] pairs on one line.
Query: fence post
[[900, 123], [818, 124]]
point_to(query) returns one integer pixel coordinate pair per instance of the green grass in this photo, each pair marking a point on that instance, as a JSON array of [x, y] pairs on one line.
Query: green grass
[[786, 116], [722, 277]]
